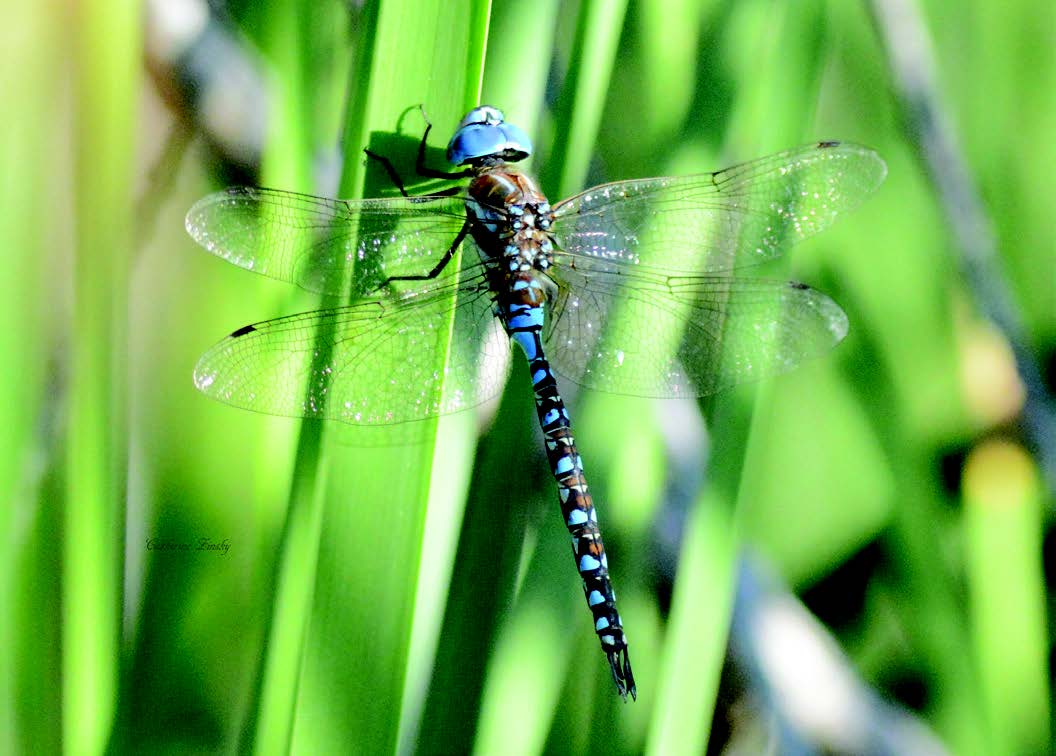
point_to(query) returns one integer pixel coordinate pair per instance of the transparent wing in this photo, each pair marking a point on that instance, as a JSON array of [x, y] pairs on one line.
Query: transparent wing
[[666, 336], [713, 222], [376, 362], [319, 243]]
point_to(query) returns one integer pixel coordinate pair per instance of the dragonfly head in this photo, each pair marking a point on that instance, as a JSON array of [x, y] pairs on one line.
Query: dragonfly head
[[484, 138]]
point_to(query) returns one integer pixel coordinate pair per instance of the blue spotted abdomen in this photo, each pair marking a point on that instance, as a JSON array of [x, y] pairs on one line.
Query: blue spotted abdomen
[[521, 307]]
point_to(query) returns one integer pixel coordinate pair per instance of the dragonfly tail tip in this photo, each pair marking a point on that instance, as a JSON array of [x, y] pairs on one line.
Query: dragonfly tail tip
[[620, 663]]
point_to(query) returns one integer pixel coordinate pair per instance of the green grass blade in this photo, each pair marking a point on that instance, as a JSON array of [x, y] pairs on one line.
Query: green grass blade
[[693, 657], [287, 31], [30, 519], [374, 613], [520, 30], [108, 65], [1003, 532], [582, 100]]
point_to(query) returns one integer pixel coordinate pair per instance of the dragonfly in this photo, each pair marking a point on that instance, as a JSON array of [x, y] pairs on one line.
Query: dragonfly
[[627, 287]]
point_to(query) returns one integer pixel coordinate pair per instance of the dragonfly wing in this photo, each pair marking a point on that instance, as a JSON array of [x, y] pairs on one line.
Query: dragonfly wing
[[668, 336], [320, 243], [712, 222], [376, 362]]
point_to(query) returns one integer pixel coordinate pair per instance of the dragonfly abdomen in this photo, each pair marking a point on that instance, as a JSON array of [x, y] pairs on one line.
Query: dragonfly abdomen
[[523, 316]]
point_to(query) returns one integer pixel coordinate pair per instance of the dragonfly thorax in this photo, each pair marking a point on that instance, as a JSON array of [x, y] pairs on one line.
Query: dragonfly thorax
[[511, 219]]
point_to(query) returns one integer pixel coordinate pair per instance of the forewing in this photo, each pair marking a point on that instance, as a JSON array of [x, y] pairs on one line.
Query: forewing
[[377, 362], [669, 336], [321, 244], [714, 222]]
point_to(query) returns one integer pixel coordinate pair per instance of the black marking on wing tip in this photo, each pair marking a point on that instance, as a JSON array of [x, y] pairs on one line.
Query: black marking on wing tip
[[798, 285], [828, 143], [243, 331]]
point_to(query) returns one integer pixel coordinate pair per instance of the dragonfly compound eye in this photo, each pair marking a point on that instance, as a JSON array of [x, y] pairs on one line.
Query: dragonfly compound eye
[[484, 138]]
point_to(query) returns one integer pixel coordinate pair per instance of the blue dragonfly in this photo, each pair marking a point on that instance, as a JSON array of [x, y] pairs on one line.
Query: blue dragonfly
[[625, 287]]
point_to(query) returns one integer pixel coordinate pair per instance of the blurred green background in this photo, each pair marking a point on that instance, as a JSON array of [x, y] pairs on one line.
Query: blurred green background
[[878, 525]]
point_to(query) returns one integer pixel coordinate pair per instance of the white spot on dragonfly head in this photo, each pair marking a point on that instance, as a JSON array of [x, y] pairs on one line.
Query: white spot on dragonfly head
[[619, 357]]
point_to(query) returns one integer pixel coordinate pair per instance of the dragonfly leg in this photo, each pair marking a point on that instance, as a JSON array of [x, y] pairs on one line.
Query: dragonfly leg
[[394, 177], [440, 265], [422, 169]]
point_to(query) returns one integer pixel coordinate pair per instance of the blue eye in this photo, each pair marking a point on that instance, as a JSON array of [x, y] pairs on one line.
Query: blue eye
[[484, 137]]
